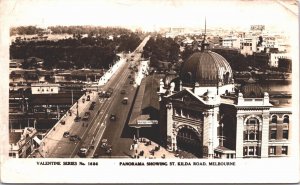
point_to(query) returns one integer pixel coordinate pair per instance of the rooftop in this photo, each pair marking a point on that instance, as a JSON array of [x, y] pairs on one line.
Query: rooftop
[[147, 97]]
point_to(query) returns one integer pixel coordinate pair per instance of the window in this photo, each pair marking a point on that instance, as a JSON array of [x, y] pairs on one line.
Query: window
[[245, 135], [285, 134], [272, 150], [274, 119], [177, 112], [12, 155], [284, 150], [251, 150], [251, 131], [51, 90], [252, 135], [286, 119], [42, 90], [245, 151], [257, 151], [273, 134], [184, 113]]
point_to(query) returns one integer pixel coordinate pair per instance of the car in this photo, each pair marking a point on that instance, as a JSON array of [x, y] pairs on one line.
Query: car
[[92, 106], [82, 152], [125, 100], [74, 138], [131, 82], [123, 91], [77, 118], [107, 94], [113, 117], [103, 143], [66, 134], [86, 116], [129, 76]]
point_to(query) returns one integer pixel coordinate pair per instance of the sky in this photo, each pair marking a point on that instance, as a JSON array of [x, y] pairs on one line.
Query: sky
[[147, 14]]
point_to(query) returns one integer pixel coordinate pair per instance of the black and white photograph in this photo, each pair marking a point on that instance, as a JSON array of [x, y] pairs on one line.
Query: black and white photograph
[[181, 90]]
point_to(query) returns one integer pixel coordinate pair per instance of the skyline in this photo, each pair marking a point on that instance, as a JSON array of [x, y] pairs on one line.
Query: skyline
[[148, 15]]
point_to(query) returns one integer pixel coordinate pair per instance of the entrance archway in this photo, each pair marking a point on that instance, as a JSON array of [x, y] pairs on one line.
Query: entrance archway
[[189, 140]]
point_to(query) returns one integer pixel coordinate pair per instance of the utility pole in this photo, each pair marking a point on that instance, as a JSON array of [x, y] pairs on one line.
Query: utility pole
[[72, 96]]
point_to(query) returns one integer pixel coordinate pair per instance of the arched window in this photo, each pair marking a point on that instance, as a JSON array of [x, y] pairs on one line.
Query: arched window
[[274, 119], [286, 119], [251, 130]]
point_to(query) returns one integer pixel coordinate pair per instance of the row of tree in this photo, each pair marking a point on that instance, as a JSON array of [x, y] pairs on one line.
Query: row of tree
[[90, 30], [25, 30], [93, 52], [160, 49]]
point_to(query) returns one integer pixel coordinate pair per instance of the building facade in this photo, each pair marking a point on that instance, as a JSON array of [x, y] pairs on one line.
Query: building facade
[[44, 88], [21, 142], [204, 112]]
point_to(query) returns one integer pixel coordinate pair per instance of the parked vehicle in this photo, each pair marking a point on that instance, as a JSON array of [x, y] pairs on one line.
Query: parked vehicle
[[83, 152], [74, 138], [125, 100], [66, 134], [113, 117], [86, 116]]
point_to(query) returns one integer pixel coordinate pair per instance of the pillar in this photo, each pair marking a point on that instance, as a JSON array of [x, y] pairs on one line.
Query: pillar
[[239, 136], [265, 135], [171, 137], [208, 139]]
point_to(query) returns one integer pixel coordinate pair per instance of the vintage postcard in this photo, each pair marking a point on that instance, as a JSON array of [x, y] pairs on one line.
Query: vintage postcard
[[125, 91]]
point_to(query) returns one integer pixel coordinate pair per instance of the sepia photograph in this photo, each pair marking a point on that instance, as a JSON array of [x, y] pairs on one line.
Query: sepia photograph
[[122, 89]]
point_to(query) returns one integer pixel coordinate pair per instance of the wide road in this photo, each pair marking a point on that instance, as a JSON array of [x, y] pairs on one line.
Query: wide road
[[98, 124], [116, 129]]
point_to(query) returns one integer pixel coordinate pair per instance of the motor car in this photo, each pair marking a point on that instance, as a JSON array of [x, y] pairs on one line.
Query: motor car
[[82, 152], [103, 143], [131, 82], [125, 100], [77, 118], [74, 138], [86, 116], [66, 134], [113, 117], [123, 91]]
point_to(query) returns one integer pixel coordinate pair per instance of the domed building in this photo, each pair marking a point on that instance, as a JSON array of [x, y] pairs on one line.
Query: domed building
[[204, 113]]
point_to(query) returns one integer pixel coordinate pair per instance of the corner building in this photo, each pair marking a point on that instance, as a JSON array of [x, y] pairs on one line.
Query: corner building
[[203, 112]]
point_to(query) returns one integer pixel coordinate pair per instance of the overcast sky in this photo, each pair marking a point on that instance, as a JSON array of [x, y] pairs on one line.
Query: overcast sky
[[147, 14]]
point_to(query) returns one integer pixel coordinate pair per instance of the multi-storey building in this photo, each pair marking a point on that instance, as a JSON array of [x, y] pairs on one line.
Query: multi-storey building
[[248, 45], [205, 113], [231, 42], [21, 142]]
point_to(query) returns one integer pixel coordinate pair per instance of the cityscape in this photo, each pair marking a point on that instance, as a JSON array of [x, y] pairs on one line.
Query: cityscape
[[172, 92]]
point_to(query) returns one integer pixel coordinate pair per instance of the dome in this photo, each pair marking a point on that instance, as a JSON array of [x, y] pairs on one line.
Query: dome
[[252, 91], [207, 68]]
